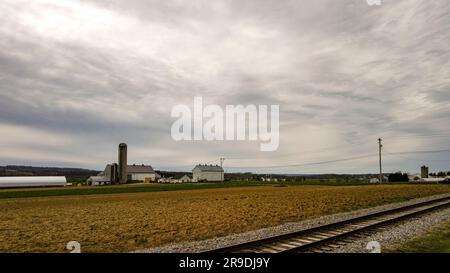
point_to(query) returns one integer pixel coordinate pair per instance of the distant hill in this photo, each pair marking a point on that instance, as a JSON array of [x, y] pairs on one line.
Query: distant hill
[[72, 174]]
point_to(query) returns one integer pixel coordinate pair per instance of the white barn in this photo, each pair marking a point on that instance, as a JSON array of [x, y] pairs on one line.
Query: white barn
[[98, 181], [141, 172], [134, 173], [207, 173]]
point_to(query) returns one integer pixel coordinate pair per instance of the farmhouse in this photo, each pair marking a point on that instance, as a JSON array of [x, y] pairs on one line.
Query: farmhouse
[[207, 173], [185, 179]]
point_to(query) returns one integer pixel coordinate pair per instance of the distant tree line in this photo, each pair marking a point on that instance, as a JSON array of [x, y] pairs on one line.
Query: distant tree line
[[398, 177], [440, 174]]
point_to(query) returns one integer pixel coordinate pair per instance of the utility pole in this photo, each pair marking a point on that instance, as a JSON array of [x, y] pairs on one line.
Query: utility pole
[[379, 151], [222, 159]]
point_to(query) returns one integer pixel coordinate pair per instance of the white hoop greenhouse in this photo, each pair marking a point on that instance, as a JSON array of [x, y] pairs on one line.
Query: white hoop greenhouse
[[32, 181]]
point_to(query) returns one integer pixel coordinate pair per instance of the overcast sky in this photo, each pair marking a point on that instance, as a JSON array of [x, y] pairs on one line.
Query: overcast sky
[[79, 77]]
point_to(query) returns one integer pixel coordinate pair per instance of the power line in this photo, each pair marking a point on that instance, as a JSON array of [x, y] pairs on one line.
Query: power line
[[339, 160], [308, 164], [379, 152], [323, 150], [421, 152], [262, 155], [415, 136], [222, 159], [444, 150], [418, 160]]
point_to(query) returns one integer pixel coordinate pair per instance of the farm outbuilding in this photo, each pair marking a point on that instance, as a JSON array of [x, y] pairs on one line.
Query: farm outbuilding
[[207, 173], [98, 181], [374, 180], [185, 179], [32, 181], [134, 173]]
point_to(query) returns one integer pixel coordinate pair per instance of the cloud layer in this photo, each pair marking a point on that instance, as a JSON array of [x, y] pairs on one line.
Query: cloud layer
[[78, 77]]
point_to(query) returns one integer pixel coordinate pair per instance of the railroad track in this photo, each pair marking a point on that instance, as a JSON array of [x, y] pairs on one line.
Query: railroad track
[[331, 236]]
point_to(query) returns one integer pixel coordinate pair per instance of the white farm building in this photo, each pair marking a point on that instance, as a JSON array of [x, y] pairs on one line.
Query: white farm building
[[134, 173], [185, 179], [98, 181], [32, 181], [207, 173], [141, 172]]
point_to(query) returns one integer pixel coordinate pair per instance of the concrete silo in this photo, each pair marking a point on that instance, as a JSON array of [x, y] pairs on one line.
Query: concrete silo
[[123, 175], [114, 173], [424, 171]]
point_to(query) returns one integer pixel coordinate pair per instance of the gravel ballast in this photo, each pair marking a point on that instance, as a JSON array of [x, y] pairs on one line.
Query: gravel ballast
[[394, 235], [399, 233]]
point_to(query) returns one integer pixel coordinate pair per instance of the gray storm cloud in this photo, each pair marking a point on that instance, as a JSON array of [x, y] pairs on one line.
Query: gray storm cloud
[[78, 77]]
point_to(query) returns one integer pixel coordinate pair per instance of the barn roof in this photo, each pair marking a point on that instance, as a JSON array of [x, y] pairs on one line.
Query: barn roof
[[208, 168], [140, 169], [179, 176], [130, 169]]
